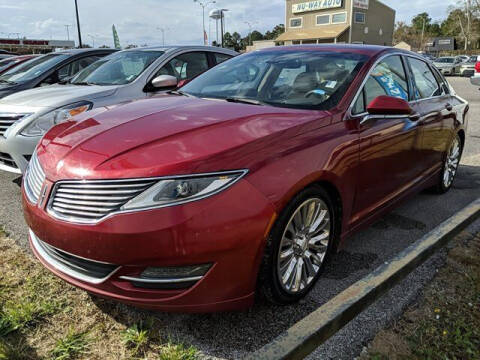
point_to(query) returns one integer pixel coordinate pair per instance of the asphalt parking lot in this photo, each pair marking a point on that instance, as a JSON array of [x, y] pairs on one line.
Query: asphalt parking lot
[[232, 335]]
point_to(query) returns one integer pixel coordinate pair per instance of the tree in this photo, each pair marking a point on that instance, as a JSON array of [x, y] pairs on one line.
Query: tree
[[233, 41]]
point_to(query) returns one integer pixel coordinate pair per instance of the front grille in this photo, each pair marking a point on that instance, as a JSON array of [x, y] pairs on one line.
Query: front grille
[[90, 201], [34, 179], [7, 120], [79, 268], [7, 160]]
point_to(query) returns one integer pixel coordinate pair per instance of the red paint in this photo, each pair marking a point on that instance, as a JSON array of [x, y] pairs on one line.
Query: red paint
[[18, 60], [387, 105], [372, 166]]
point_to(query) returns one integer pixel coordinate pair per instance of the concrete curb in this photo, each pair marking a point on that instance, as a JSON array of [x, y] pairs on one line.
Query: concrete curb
[[310, 332]]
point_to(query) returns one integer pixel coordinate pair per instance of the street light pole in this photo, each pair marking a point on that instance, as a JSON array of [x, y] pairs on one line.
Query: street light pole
[[250, 27], [68, 32], [78, 26], [163, 33], [93, 40], [204, 5]]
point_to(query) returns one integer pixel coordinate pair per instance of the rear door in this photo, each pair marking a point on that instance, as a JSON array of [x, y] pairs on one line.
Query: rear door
[[436, 108], [388, 147]]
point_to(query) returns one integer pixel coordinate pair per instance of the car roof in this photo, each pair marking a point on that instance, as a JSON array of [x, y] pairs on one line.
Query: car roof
[[169, 48], [371, 50], [83, 51]]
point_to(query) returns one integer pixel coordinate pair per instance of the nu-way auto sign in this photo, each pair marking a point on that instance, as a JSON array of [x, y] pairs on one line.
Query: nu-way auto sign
[[316, 5]]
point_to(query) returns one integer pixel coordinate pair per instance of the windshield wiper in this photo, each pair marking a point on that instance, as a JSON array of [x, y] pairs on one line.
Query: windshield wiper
[[84, 83], [178, 92], [7, 82], [244, 101]]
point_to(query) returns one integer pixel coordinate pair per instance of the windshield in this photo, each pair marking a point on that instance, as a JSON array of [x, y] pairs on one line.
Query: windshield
[[117, 69], [32, 68], [446, 60], [296, 79], [7, 62]]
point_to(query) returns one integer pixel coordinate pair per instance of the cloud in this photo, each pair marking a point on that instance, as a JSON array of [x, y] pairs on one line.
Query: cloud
[[139, 21]]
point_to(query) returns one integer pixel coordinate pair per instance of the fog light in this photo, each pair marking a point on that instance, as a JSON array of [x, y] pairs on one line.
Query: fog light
[[169, 278], [175, 272]]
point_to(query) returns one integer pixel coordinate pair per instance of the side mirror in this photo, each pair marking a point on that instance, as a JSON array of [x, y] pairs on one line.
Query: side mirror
[[164, 81], [388, 105]]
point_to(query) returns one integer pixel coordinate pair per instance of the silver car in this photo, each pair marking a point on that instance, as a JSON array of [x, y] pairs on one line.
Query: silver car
[[447, 64], [124, 76]]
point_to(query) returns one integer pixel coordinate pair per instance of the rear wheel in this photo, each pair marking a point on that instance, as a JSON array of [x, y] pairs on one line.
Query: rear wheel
[[298, 246], [450, 165]]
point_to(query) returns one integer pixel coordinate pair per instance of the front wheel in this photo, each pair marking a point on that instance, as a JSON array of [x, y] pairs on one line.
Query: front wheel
[[298, 247], [450, 165]]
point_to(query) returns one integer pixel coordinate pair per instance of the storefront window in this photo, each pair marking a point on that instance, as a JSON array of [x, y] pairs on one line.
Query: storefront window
[[296, 22], [323, 19], [339, 18]]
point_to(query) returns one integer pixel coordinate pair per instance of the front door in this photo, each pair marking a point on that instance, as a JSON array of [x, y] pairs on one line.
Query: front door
[[388, 147]]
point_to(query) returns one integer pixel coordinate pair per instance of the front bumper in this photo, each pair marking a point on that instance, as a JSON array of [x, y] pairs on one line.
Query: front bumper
[[15, 152], [227, 230]]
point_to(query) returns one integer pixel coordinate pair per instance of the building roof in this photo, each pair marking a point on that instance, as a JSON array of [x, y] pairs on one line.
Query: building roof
[[326, 32]]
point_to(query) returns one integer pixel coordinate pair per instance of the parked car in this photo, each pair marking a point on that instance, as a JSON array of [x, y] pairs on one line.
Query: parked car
[[246, 179], [475, 79], [120, 77], [467, 68], [462, 58], [10, 62], [447, 65], [48, 69], [429, 57]]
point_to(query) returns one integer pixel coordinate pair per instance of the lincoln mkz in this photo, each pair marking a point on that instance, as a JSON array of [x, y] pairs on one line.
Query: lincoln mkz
[[243, 182]]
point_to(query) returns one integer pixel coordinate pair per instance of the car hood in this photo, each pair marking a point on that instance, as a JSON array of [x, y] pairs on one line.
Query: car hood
[[170, 135], [437, 64], [58, 95]]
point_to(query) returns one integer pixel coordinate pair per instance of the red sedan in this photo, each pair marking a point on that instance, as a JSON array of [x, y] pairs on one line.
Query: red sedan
[[10, 62], [245, 181]]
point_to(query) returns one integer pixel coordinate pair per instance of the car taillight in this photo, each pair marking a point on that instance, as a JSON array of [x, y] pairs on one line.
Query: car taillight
[[477, 67]]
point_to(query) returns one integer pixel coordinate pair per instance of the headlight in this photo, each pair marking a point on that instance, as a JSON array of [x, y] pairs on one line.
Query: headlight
[[42, 124], [183, 189]]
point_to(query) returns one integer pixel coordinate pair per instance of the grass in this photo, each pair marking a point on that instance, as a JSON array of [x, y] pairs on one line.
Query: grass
[[445, 324], [44, 318], [69, 347]]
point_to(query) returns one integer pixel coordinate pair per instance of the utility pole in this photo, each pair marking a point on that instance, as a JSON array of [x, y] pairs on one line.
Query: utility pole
[[222, 24], [250, 26], [68, 32], [163, 33], [423, 33], [204, 4], [78, 26]]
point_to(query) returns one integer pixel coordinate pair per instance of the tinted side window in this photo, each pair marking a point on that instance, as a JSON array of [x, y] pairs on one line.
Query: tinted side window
[[387, 78], [75, 66], [426, 84], [219, 58], [185, 66]]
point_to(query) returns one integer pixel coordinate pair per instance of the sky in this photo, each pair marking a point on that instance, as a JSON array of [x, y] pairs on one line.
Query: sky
[[140, 21]]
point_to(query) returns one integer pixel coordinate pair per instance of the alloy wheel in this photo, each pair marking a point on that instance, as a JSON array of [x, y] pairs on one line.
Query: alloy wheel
[[451, 162], [304, 245]]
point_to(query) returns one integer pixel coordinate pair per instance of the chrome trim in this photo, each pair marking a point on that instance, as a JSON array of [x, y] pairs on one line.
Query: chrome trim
[[369, 117], [34, 180], [62, 268], [10, 169], [7, 119], [161, 281], [74, 220]]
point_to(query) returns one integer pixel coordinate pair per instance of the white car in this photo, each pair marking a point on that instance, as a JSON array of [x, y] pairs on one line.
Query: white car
[[475, 79], [123, 76]]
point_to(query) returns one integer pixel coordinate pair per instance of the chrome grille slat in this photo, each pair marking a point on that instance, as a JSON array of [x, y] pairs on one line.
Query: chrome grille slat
[[34, 180], [83, 208], [8, 119], [92, 203], [91, 200], [91, 197], [95, 192]]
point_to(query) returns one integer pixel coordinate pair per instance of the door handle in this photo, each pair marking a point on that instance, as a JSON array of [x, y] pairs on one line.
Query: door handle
[[415, 117], [449, 107]]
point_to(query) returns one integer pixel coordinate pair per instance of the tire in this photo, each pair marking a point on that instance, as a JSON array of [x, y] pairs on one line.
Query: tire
[[281, 241], [450, 166]]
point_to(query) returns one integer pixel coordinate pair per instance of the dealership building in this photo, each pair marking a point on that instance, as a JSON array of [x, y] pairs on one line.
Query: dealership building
[[34, 46], [338, 21]]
